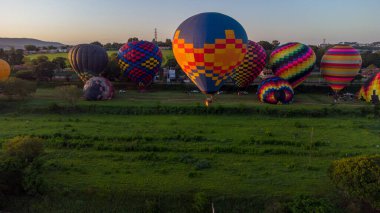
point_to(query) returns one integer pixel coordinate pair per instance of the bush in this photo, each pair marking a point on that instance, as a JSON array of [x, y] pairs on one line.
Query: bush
[[200, 202], [24, 148], [26, 75], [15, 87], [310, 204], [358, 177], [70, 93], [20, 171]]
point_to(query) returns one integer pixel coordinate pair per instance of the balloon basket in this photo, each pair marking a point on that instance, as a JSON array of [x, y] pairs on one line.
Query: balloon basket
[[208, 101]]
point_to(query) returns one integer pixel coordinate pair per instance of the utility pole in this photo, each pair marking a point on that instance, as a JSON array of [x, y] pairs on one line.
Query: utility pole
[[155, 35]]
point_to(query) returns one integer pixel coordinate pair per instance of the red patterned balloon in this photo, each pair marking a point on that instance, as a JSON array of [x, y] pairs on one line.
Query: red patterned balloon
[[251, 67]]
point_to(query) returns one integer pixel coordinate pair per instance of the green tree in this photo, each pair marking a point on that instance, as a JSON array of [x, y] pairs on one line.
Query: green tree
[[24, 148], [70, 93], [45, 70], [15, 57], [60, 62], [358, 177], [25, 74], [30, 47], [112, 70], [133, 39], [51, 47], [172, 63], [97, 43], [275, 43], [40, 59], [266, 45], [18, 88]]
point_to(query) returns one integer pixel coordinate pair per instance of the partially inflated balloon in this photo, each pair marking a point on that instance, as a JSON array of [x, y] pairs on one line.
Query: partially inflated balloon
[[5, 70], [293, 62], [88, 60], [208, 46], [98, 88], [251, 67], [340, 65], [370, 91], [140, 61], [275, 90]]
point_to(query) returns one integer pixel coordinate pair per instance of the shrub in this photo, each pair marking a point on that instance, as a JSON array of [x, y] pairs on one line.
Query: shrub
[[202, 164], [25, 74], [200, 202], [19, 170], [15, 87], [358, 177], [24, 148], [70, 93], [310, 204]]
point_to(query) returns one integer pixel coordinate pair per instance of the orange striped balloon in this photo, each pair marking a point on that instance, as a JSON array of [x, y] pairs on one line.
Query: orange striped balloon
[[5, 70], [340, 65]]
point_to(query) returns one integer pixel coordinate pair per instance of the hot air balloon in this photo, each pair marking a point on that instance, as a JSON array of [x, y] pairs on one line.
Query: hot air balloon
[[293, 62], [98, 88], [208, 47], [140, 61], [5, 70], [340, 65], [275, 90], [88, 60], [370, 91], [251, 67]]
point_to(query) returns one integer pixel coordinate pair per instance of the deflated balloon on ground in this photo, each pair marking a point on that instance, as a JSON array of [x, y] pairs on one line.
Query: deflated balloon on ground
[[275, 90], [98, 88]]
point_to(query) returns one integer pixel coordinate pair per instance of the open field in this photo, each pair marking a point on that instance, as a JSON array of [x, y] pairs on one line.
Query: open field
[[101, 156], [166, 54]]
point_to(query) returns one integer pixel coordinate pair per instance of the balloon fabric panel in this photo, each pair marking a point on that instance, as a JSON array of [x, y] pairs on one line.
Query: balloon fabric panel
[[275, 90], [5, 70], [208, 47], [340, 65], [88, 60], [140, 61], [98, 88], [293, 62], [251, 67], [370, 91]]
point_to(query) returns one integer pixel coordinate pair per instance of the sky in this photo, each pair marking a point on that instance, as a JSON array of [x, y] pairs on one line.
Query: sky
[[85, 21]]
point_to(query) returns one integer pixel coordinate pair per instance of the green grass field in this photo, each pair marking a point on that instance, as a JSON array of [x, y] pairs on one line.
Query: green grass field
[[103, 161], [166, 54]]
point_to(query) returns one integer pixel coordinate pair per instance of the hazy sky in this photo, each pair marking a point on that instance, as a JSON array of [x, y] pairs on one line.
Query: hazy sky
[[83, 21]]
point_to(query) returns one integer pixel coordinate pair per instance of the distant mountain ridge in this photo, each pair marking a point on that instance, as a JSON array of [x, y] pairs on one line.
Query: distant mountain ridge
[[19, 43]]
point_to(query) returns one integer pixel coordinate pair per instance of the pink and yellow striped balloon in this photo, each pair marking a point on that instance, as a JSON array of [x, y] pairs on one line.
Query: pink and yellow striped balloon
[[340, 65]]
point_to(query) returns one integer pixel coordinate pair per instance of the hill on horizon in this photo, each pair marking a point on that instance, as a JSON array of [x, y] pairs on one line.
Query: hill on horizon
[[19, 43]]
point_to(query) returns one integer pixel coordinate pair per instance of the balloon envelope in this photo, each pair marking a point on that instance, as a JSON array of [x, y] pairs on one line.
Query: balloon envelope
[[88, 60], [293, 62], [5, 70], [140, 61], [370, 91], [275, 90], [340, 65], [98, 88], [251, 67], [208, 46]]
